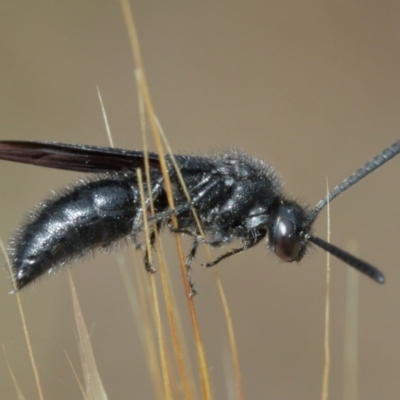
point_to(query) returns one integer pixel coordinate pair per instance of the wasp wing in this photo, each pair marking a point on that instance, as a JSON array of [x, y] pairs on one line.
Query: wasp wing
[[75, 157]]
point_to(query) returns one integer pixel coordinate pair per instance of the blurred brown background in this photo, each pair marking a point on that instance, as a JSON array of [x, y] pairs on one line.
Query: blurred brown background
[[312, 87]]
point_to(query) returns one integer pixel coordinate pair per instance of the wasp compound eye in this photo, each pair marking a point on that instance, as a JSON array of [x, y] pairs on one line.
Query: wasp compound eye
[[286, 246], [286, 238]]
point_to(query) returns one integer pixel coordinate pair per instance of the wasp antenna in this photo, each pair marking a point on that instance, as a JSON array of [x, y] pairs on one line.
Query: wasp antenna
[[373, 164], [349, 259]]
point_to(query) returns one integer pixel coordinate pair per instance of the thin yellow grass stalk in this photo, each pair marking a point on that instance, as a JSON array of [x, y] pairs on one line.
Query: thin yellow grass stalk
[[94, 389], [203, 367], [350, 349], [20, 395], [24, 327], [327, 351]]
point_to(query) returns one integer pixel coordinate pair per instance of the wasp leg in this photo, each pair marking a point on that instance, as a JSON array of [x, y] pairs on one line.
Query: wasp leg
[[247, 245], [199, 238], [146, 258], [188, 264], [190, 257], [137, 225]]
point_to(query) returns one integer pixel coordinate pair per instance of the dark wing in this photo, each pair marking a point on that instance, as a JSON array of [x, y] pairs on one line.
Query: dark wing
[[75, 157]]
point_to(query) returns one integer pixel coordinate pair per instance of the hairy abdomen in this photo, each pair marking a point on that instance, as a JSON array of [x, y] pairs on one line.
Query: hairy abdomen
[[90, 215]]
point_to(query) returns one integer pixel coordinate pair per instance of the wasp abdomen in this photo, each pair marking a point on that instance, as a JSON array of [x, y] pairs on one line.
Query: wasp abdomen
[[91, 214]]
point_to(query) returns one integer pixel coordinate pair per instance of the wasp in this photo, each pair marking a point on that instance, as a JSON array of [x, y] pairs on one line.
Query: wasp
[[235, 196]]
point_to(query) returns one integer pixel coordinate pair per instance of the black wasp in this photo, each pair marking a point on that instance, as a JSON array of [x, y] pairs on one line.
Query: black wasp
[[235, 196]]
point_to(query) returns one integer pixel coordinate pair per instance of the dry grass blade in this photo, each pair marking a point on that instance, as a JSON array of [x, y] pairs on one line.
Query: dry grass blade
[[182, 360], [161, 337], [141, 303], [103, 110], [350, 356], [181, 357], [205, 379], [136, 295], [325, 379], [81, 388], [93, 383], [20, 395], [232, 341], [24, 327]]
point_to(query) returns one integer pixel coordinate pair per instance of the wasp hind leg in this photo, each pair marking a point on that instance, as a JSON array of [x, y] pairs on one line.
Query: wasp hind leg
[[146, 259], [188, 264]]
